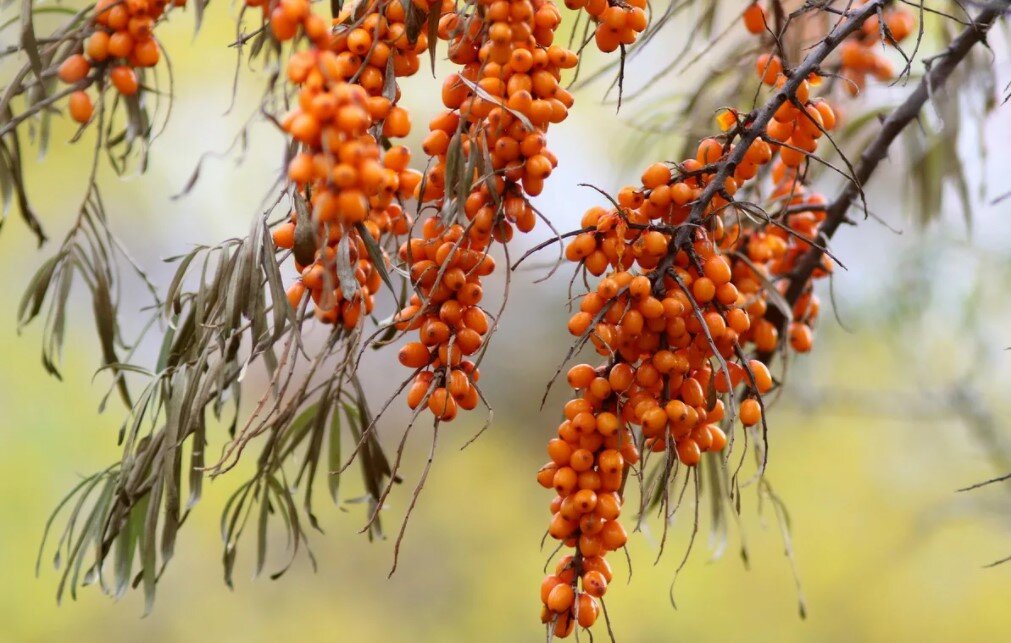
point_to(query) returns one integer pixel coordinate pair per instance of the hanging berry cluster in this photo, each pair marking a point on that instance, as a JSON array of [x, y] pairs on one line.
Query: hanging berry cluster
[[346, 103], [861, 55], [121, 43], [490, 155], [352, 187], [680, 314], [371, 45], [618, 22]]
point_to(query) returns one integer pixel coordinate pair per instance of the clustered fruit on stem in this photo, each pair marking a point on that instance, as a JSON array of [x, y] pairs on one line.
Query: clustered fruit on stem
[[351, 188], [119, 42], [490, 154], [685, 285]]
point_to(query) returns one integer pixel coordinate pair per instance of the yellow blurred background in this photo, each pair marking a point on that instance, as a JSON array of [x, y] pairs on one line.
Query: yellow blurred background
[[866, 451]]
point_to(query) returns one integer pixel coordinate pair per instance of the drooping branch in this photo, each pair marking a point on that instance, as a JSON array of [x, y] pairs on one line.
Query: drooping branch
[[877, 150], [755, 127]]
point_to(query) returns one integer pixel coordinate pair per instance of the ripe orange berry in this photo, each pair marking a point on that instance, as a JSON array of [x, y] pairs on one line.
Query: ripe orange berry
[[763, 378], [768, 67], [754, 18], [397, 124], [125, 80], [718, 439], [703, 289], [80, 107], [751, 412], [414, 355], [657, 174], [717, 270], [74, 69], [594, 583], [146, 53], [97, 46], [295, 294], [442, 404], [560, 598], [284, 235], [120, 44], [587, 610], [801, 337], [689, 452]]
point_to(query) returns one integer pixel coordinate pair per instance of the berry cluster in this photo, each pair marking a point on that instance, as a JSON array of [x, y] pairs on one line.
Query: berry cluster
[[589, 458], [861, 54], [367, 44], [347, 104], [506, 95], [121, 42], [490, 155], [680, 314], [619, 22], [352, 188], [447, 278]]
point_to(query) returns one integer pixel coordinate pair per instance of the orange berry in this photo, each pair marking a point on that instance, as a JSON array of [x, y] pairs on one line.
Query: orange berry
[[801, 337], [414, 355], [751, 412], [754, 18], [74, 69], [594, 583], [442, 404], [587, 610], [655, 175], [763, 378], [125, 80], [80, 107], [97, 46], [717, 270], [689, 452], [560, 598]]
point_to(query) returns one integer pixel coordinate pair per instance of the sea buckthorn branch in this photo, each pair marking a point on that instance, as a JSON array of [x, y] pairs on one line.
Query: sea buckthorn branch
[[756, 127], [491, 155], [202, 359], [236, 311], [109, 44], [558, 603], [301, 415], [370, 48], [683, 273], [872, 155], [349, 195]]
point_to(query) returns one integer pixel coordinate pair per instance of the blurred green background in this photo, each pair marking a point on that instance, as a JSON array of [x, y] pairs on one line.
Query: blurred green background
[[901, 403]]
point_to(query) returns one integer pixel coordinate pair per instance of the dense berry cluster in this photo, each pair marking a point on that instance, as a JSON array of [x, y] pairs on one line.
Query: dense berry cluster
[[122, 41], [368, 43], [445, 312], [680, 313], [504, 98], [862, 55], [618, 22], [347, 104], [490, 155], [352, 185]]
